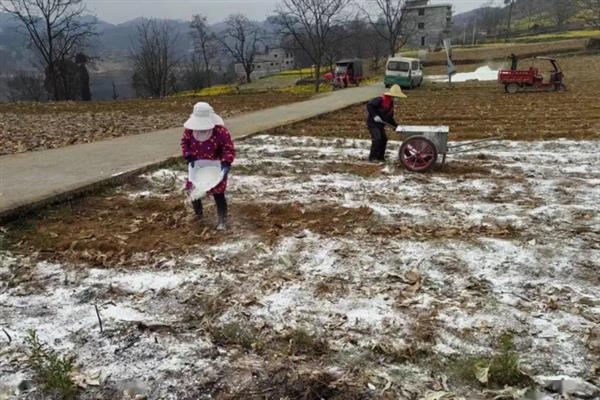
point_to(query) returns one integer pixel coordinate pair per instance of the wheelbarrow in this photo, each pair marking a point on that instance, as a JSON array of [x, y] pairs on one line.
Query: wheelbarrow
[[423, 145]]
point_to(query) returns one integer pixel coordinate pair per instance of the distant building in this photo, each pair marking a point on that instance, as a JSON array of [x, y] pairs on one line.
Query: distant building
[[427, 24], [273, 62]]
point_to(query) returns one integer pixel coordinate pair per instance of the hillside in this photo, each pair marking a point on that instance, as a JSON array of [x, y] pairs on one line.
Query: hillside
[[112, 43], [529, 17], [109, 50]]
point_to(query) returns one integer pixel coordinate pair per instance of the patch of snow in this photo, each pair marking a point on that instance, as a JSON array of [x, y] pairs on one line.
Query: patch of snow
[[484, 73]]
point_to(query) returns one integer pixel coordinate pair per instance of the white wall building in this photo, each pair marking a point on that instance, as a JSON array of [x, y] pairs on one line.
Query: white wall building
[[427, 24], [273, 62]]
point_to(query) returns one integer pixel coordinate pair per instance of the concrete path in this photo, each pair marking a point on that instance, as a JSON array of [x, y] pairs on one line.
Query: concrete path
[[35, 179]]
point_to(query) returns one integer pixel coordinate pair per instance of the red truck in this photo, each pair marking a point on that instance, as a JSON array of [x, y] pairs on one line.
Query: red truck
[[531, 79]]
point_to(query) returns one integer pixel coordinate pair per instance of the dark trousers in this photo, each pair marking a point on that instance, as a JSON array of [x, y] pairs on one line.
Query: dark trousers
[[221, 203], [378, 143]]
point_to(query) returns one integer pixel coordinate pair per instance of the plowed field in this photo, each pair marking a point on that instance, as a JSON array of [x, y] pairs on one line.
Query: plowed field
[[337, 279], [39, 126], [475, 110]]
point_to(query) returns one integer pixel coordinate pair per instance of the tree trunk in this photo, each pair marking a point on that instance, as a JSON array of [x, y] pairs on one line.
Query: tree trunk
[[510, 10], [208, 80], [84, 83], [248, 75], [317, 77], [207, 70], [52, 75]]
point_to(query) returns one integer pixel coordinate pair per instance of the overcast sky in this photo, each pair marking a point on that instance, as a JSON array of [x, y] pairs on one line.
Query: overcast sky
[[117, 11]]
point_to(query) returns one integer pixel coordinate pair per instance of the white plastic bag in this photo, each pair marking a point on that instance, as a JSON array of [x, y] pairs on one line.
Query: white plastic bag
[[204, 176]]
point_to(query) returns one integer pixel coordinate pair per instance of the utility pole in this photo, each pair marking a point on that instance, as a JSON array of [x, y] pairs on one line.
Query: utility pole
[[474, 32]]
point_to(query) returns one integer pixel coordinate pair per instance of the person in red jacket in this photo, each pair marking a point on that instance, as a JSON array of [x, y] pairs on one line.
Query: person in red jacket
[[206, 138], [381, 112]]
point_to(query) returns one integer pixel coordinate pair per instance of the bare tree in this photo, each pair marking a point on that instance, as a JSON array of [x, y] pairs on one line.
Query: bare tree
[[193, 76], [58, 30], [561, 11], [81, 60], [241, 39], [529, 8], [25, 86], [591, 12], [358, 37], [377, 49], [205, 43], [154, 58], [312, 24], [489, 18], [390, 23]]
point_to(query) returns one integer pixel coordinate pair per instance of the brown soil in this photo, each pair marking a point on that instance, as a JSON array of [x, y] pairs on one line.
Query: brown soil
[[39, 126], [457, 168], [300, 380], [112, 230], [106, 230], [478, 110], [364, 170]]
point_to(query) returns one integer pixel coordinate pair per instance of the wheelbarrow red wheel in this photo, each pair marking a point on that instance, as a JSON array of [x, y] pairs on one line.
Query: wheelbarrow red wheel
[[418, 154]]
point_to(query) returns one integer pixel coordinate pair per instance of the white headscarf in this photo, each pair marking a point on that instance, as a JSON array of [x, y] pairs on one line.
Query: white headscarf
[[202, 136]]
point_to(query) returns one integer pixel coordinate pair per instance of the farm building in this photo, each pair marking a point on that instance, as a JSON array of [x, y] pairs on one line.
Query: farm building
[[427, 24]]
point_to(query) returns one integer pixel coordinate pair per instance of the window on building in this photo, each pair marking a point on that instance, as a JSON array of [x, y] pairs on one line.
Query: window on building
[[422, 40], [421, 25], [421, 11]]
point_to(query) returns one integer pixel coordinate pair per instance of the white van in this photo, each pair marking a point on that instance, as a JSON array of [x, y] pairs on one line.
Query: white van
[[403, 71]]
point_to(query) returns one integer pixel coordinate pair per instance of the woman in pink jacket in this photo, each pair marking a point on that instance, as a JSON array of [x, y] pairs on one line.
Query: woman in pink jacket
[[206, 138]]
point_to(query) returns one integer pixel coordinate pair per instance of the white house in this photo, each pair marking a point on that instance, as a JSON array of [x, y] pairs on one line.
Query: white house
[[273, 62], [427, 24]]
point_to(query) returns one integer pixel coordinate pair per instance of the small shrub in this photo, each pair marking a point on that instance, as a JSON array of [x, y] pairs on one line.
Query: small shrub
[[300, 341], [503, 366], [52, 371], [236, 334]]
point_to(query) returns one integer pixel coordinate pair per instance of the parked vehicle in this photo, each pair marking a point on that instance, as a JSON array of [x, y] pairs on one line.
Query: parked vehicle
[[347, 72], [403, 71], [531, 79]]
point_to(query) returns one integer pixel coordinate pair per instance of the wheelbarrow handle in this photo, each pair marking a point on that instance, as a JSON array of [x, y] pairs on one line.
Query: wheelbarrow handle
[[490, 139]]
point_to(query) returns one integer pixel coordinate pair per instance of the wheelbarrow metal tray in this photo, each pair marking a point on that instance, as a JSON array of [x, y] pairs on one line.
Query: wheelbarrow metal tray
[[437, 134]]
